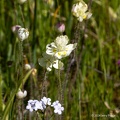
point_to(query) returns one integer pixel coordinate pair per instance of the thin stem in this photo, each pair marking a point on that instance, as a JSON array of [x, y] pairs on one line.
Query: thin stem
[[22, 16], [21, 56], [44, 88], [51, 116], [39, 116], [60, 87], [60, 91]]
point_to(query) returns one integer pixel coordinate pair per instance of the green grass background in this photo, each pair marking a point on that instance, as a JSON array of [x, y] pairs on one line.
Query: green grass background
[[92, 80]]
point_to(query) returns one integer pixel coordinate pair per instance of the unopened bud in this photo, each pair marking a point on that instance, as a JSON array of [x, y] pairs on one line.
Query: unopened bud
[[21, 94], [27, 67], [60, 27], [15, 28]]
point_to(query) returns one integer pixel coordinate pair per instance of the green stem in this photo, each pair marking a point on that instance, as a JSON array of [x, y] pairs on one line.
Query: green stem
[[22, 16], [21, 58], [38, 114], [60, 87], [51, 116], [44, 89]]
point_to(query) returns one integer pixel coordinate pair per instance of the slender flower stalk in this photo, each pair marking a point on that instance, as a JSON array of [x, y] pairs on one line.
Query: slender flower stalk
[[60, 87]]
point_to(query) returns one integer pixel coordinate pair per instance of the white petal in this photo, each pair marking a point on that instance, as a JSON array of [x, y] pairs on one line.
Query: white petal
[[49, 66], [70, 48], [59, 112], [61, 40], [58, 64], [55, 64], [58, 55], [25, 93], [88, 15], [80, 19], [50, 52], [52, 45]]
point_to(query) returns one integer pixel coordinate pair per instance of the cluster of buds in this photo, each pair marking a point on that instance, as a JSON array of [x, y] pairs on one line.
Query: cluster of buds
[[22, 33]]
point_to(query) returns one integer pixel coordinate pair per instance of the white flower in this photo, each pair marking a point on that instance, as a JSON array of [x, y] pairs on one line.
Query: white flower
[[45, 101], [59, 47], [27, 67], [22, 33], [57, 107], [55, 103], [21, 94], [34, 105], [49, 61], [79, 10]]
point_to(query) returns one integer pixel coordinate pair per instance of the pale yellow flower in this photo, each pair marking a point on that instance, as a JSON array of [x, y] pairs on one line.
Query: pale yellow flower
[[79, 10], [59, 47]]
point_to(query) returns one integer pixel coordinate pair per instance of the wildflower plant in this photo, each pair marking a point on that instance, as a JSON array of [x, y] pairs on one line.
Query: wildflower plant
[[51, 26]]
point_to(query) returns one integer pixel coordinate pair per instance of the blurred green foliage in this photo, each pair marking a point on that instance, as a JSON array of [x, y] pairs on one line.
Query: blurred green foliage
[[92, 81]]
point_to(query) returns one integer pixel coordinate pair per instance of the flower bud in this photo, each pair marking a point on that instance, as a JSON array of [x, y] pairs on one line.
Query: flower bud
[[60, 27], [21, 94], [34, 72], [27, 67], [22, 33], [15, 28]]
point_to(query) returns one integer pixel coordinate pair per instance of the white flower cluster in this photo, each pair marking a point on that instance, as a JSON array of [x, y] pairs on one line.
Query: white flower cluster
[[42, 105], [56, 51], [79, 10], [57, 107]]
